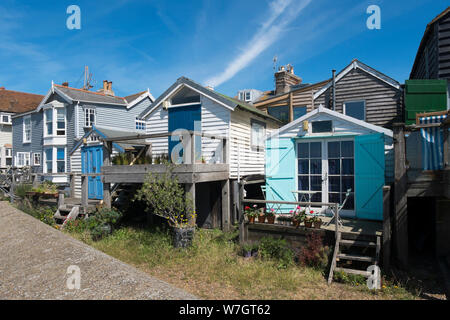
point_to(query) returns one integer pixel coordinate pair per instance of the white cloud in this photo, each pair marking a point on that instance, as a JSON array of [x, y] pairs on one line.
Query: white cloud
[[282, 13]]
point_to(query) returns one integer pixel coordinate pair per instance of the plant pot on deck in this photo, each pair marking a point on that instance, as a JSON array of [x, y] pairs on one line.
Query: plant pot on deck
[[317, 224], [182, 237], [271, 219], [251, 219], [308, 224], [261, 219]]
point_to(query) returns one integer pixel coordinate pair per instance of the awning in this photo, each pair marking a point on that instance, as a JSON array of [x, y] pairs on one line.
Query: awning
[[432, 143]]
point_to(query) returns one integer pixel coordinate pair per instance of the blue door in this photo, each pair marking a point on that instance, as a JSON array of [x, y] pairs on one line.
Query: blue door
[[185, 118], [91, 162], [369, 176]]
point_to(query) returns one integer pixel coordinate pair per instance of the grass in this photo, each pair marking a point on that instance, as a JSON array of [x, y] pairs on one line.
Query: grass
[[213, 269]]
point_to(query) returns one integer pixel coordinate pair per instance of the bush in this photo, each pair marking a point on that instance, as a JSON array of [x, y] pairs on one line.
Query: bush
[[166, 197], [248, 247], [22, 189], [314, 254], [42, 213], [101, 223], [276, 249]]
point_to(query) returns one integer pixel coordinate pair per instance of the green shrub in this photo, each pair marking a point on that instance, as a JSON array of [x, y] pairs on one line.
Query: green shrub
[[42, 213], [101, 223], [46, 187], [22, 189], [352, 279], [276, 249], [314, 254]]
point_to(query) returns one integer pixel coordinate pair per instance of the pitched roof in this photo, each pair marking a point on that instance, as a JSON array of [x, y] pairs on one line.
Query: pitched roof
[[75, 94], [18, 102], [335, 114], [133, 97], [269, 98], [425, 37], [220, 98], [364, 67]]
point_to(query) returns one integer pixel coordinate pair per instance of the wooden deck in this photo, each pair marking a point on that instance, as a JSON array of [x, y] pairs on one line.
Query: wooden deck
[[185, 173]]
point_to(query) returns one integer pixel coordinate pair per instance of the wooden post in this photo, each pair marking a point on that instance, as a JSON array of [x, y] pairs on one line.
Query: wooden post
[[400, 199], [192, 139], [190, 192], [107, 149], [84, 192], [446, 146], [60, 199], [72, 185], [242, 233], [386, 228], [291, 107], [35, 180], [12, 187], [226, 218]]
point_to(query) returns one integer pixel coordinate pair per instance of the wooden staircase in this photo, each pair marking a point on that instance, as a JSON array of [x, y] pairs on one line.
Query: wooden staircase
[[353, 256], [65, 213]]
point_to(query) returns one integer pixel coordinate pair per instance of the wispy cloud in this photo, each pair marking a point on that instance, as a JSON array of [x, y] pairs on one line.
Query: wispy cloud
[[282, 13]]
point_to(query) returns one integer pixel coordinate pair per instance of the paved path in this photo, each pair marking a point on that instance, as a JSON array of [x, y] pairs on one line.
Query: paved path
[[34, 258]]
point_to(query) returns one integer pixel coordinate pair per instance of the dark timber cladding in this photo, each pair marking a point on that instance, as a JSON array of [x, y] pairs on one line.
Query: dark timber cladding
[[433, 56], [383, 101]]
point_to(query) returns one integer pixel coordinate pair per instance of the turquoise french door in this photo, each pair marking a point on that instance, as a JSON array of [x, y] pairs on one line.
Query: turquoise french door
[[185, 118], [91, 162]]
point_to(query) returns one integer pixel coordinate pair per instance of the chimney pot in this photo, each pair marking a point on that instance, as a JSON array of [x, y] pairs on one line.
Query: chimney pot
[[285, 78], [65, 84]]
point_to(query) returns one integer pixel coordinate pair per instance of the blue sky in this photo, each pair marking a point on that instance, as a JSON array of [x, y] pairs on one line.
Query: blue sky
[[231, 44]]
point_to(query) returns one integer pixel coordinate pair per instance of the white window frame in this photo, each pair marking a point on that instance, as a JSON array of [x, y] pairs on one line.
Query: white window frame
[[54, 159], [25, 140], [249, 93], [354, 101], [87, 120], [140, 124], [5, 115], [54, 122], [37, 163], [8, 153], [26, 159], [259, 144]]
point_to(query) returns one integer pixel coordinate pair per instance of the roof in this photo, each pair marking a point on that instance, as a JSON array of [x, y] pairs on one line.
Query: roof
[[18, 102], [74, 94], [335, 114], [356, 64], [108, 132], [268, 99], [425, 37], [222, 99]]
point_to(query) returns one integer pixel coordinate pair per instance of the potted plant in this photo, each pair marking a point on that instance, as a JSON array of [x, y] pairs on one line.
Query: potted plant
[[308, 222], [251, 214], [166, 198], [270, 215], [317, 222], [298, 217], [285, 219], [261, 214]]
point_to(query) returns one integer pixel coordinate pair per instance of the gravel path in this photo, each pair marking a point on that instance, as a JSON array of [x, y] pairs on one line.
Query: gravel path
[[34, 261]]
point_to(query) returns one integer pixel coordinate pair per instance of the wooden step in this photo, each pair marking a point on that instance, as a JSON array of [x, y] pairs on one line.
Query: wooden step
[[59, 216], [357, 243], [346, 256], [353, 271]]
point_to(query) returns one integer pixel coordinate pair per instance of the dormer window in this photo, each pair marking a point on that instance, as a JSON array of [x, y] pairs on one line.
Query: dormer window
[[140, 124], [5, 119], [55, 122]]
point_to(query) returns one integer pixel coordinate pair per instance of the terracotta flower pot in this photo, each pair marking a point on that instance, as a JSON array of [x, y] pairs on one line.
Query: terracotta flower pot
[[261, 219], [271, 219], [251, 219], [308, 224], [317, 224], [296, 223]]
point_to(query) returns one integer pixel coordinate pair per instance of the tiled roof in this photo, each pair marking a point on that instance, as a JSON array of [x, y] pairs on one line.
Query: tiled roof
[[89, 96], [18, 102], [133, 97]]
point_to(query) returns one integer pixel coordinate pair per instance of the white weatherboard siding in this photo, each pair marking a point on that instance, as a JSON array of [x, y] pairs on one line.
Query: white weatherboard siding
[[243, 158], [215, 120], [75, 161], [5, 134], [158, 122], [342, 127]]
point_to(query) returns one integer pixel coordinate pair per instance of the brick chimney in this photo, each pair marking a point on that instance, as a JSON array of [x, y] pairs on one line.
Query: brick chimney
[[65, 84], [107, 88], [285, 78]]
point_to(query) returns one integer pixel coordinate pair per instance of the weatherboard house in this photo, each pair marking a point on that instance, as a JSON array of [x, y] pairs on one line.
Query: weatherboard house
[[45, 137], [325, 153]]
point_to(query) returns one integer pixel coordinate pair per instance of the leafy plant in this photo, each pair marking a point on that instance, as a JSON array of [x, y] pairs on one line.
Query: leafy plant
[[299, 215], [46, 187], [276, 249], [22, 189], [167, 199], [248, 248], [251, 211], [314, 253], [270, 212], [101, 222]]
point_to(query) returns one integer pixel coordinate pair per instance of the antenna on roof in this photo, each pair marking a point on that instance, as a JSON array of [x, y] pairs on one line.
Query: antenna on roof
[[87, 79]]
